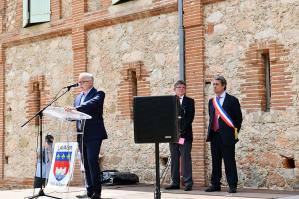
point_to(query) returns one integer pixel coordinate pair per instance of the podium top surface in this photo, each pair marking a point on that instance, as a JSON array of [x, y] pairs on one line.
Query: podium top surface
[[61, 113]]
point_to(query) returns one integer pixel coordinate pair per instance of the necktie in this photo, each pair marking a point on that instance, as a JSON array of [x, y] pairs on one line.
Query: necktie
[[215, 120]]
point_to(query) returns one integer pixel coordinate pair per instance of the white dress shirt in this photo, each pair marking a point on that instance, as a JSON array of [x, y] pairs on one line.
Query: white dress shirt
[[84, 96], [222, 97], [181, 99]]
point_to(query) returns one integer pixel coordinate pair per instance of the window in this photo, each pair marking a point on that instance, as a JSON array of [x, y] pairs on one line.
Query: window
[[114, 2], [133, 78], [36, 11], [266, 62], [134, 83], [268, 80], [36, 97]]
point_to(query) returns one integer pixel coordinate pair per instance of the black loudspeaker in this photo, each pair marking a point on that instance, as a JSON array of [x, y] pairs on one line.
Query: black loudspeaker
[[156, 119]]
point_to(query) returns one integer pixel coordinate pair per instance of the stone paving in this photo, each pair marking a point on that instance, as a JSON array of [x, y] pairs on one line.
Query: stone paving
[[147, 192]]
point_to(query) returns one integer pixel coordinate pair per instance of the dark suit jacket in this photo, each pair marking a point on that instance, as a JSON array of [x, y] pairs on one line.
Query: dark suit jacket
[[93, 106], [232, 107], [187, 113]]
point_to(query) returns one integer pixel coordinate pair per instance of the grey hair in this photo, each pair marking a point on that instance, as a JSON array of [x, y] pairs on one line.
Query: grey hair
[[87, 76], [222, 80], [180, 82]]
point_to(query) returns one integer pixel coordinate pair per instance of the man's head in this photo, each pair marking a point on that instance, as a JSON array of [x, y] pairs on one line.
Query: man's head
[[49, 139], [219, 85], [85, 81], [180, 88]]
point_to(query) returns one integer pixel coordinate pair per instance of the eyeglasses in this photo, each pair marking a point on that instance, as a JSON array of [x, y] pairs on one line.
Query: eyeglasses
[[183, 87], [82, 82]]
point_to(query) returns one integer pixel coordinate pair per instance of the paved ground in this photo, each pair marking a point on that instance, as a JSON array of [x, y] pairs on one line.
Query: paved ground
[[147, 192]]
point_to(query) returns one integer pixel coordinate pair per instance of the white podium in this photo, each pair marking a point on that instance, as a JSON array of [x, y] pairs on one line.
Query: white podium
[[61, 114], [64, 122], [65, 152]]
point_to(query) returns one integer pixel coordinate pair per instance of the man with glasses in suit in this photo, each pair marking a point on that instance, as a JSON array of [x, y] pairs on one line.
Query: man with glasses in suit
[[90, 101], [183, 148]]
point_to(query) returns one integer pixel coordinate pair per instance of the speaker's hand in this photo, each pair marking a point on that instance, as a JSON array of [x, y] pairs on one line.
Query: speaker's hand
[[69, 108]]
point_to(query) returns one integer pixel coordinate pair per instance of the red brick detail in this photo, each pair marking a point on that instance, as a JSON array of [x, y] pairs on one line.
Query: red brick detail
[[37, 97], [2, 108], [102, 17], [19, 16], [205, 2], [89, 21], [79, 7], [126, 87], [105, 4], [79, 45], [210, 29], [195, 85], [16, 183], [79, 41], [55, 10], [254, 75], [192, 17]]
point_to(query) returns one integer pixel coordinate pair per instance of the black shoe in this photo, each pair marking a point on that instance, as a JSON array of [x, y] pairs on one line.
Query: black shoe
[[96, 196], [188, 188], [172, 187], [213, 188], [232, 190], [83, 196]]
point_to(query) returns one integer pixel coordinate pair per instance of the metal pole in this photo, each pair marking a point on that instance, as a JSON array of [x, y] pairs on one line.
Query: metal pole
[[181, 40], [157, 190]]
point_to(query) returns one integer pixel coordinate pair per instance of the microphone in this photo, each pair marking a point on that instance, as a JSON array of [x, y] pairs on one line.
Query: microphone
[[72, 85]]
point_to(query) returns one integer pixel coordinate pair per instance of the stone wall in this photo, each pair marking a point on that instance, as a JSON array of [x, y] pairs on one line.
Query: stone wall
[[153, 41], [10, 15], [52, 58], [94, 5], [66, 8], [266, 138], [234, 29]]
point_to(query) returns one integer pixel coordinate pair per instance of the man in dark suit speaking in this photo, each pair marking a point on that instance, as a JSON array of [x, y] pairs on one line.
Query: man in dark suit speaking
[[224, 125], [183, 147], [90, 101]]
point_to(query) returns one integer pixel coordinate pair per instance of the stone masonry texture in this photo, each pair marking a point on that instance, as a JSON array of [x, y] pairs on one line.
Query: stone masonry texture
[[226, 37]]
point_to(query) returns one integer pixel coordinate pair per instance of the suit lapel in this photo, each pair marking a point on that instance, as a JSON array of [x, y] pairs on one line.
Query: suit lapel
[[184, 102], [225, 102], [90, 94], [212, 111]]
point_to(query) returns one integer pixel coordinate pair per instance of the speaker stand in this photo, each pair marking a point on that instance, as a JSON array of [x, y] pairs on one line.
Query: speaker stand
[[157, 189]]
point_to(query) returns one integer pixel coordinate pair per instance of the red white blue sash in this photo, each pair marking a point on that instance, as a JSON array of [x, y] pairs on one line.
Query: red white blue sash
[[224, 116]]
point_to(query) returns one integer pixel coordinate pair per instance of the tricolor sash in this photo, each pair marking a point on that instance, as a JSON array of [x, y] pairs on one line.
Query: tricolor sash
[[224, 116]]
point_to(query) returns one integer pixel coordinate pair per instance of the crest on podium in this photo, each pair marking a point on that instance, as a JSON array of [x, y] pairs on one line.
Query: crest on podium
[[63, 164]]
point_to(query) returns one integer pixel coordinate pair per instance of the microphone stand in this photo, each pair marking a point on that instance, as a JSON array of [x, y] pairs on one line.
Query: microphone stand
[[40, 115]]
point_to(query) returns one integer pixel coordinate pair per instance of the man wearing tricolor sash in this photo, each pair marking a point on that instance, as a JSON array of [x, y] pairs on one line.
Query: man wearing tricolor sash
[[224, 125]]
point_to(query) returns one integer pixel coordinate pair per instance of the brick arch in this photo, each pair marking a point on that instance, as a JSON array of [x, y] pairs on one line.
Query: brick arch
[[126, 87], [37, 96], [253, 73]]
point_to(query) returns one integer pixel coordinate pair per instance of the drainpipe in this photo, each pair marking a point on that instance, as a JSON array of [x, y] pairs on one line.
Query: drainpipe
[[181, 41]]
